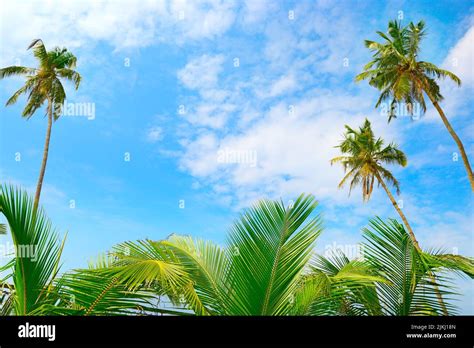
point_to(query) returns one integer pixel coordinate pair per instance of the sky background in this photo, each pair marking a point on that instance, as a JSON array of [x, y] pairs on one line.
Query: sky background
[[175, 82]]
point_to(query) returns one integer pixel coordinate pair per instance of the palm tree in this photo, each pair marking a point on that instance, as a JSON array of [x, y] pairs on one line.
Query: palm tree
[[405, 280], [43, 85], [400, 76], [363, 160], [32, 284]]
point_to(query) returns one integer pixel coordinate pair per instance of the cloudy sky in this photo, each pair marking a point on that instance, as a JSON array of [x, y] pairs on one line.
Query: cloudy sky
[[175, 89]]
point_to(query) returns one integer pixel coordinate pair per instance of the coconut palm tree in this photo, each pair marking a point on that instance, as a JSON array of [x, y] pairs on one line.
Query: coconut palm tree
[[401, 77], [43, 85], [32, 284], [364, 158]]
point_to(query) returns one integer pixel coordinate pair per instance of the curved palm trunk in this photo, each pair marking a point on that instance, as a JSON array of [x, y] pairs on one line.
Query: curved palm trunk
[[413, 238], [456, 139], [404, 219], [45, 157]]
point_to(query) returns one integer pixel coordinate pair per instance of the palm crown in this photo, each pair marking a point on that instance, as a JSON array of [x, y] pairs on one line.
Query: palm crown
[[364, 157], [396, 71], [44, 83]]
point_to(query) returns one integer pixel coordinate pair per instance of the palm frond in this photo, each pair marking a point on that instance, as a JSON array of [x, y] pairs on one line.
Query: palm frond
[[38, 248], [207, 266], [413, 290], [15, 70], [147, 263], [268, 249]]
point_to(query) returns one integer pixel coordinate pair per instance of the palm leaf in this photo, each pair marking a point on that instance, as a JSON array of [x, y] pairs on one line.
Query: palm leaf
[[38, 248], [268, 248]]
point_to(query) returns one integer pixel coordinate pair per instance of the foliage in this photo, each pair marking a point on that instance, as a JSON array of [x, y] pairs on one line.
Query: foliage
[[43, 84], [397, 71], [364, 157]]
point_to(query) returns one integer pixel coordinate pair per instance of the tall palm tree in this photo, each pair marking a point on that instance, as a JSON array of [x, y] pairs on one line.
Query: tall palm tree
[[364, 158], [43, 85], [363, 162], [400, 76]]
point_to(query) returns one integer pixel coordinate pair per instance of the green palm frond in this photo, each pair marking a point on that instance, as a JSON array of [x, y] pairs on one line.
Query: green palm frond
[[207, 266], [26, 88], [147, 263], [95, 292], [268, 249], [347, 286], [39, 51], [433, 71], [15, 70], [455, 263], [38, 248], [413, 289], [70, 75]]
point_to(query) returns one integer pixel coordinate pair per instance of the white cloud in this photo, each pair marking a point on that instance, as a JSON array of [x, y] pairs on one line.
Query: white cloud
[[284, 84], [201, 72], [293, 150], [460, 59], [123, 24], [154, 134], [215, 104], [203, 19], [255, 12]]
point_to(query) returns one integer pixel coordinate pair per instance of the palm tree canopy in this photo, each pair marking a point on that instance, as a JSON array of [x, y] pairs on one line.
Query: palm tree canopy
[[268, 268], [397, 71], [256, 274], [31, 284], [44, 82], [364, 157]]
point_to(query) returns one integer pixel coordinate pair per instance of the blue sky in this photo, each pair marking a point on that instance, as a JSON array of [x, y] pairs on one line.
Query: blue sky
[[173, 83]]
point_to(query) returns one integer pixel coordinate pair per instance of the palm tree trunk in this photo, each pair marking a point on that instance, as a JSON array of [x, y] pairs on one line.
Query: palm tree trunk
[[404, 219], [413, 238], [456, 139], [45, 156]]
